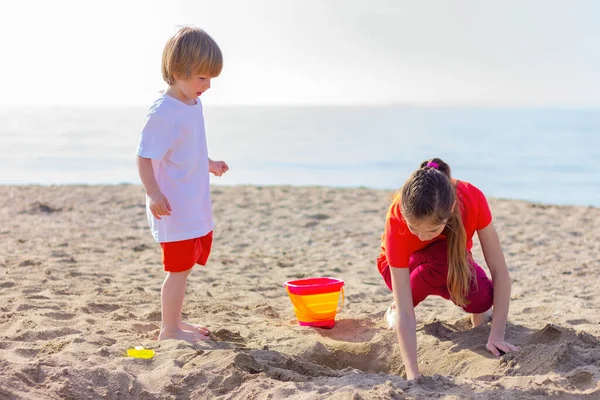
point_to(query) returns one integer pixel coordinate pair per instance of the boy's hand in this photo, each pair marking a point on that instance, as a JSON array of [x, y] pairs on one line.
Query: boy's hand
[[159, 205], [217, 168]]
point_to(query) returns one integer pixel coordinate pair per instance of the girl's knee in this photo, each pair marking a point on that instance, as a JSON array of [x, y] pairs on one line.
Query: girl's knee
[[479, 307], [480, 300], [481, 296]]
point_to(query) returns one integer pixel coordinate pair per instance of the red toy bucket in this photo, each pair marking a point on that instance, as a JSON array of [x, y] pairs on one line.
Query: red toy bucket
[[316, 300]]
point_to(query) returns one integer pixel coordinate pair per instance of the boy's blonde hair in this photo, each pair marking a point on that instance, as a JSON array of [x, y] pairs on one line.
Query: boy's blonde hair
[[190, 51]]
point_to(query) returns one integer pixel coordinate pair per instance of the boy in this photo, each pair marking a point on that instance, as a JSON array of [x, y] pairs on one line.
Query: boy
[[174, 168]]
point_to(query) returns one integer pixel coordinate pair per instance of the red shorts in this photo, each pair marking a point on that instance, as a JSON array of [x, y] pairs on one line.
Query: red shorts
[[428, 275], [184, 254]]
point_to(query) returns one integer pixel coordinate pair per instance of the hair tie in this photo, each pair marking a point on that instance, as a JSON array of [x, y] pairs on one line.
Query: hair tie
[[433, 165]]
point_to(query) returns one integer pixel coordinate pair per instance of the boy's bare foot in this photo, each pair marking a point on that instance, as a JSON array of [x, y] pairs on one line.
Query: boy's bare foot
[[186, 326], [188, 336], [480, 319]]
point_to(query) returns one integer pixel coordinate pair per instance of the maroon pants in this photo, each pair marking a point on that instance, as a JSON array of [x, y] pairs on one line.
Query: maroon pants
[[428, 274]]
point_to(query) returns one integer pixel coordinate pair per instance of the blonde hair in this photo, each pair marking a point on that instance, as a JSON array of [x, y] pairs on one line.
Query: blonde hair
[[430, 193], [190, 51]]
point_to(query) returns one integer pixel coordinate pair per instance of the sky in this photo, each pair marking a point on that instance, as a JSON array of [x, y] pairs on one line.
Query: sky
[[375, 52]]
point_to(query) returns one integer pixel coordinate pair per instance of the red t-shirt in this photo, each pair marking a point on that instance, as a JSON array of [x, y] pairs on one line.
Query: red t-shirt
[[398, 243]]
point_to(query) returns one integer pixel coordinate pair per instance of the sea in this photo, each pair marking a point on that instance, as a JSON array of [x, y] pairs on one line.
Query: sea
[[544, 155]]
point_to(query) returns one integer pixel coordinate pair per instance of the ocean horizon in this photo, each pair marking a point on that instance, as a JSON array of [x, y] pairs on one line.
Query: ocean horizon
[[545, 155]]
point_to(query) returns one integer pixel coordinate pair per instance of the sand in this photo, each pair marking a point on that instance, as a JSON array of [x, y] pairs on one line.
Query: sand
[[80, 281]]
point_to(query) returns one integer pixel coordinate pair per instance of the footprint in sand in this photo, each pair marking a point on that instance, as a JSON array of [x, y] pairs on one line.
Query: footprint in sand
[[38, 297], [48, 334], [59, 316], [577, 321], [319, 217], [28, 306], [310, 224], [267, 311], [29, 263], [141, 247], [145, 328], [95, 308], [40, 208]]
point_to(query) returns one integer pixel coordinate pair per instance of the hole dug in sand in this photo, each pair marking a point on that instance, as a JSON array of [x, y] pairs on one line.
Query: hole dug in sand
[[280, 366], [459, 351], [355, 344], [379, 355], [443, 349], [350, 345], [564, 358]]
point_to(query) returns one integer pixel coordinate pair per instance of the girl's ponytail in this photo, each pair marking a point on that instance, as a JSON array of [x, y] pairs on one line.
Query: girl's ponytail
[[460, 273], [430, 193]]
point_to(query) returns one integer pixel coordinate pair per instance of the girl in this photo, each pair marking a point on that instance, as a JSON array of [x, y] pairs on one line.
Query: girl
[[426, 250]]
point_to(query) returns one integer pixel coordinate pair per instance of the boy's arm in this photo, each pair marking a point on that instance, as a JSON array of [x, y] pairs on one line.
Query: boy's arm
[[494, 258], [146, 172], [159, 205], [406, 325]]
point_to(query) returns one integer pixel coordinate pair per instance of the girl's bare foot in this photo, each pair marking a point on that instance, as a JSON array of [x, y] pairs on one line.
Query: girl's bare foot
[[179, 334], [186, 326], [480, 319]]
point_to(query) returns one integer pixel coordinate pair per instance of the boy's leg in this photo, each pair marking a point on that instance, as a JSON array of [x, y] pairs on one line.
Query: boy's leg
[[172, 294], [201, 251], [178, 259]]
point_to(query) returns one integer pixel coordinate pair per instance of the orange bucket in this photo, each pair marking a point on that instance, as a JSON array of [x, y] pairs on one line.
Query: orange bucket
[[316, 300]]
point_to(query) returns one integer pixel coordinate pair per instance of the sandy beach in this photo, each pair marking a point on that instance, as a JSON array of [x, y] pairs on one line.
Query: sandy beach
[[80, 279]]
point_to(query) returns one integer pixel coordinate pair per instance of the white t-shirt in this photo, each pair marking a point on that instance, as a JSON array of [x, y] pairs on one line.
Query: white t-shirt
[[174, 138]]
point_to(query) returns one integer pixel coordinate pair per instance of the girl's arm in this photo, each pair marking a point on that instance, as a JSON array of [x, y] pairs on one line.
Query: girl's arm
[[494, 258], [406, 325]]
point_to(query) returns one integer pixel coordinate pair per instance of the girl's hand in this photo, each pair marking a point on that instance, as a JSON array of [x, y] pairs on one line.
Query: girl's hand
[[217, 168], [159, 205], [499, 347]]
